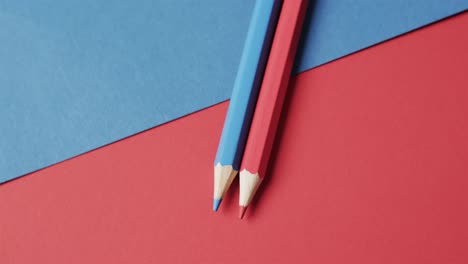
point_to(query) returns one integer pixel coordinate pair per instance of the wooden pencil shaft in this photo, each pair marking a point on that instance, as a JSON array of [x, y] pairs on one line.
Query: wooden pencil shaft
[[247, 83], [274, 86]]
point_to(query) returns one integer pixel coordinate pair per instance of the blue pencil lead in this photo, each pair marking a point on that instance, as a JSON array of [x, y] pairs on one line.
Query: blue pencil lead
[[216, 203]]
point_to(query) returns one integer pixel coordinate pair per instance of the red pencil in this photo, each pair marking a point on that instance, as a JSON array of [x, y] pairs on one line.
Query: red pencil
[[270, 100]]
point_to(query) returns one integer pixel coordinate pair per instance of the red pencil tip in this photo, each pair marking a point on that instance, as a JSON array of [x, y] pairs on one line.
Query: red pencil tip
[[242, 211]]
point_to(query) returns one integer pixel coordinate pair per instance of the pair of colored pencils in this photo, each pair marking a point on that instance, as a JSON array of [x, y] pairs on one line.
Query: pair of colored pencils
[[257, 98]]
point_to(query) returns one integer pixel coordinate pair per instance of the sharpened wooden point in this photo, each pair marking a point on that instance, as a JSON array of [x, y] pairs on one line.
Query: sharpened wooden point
[[223, 177]]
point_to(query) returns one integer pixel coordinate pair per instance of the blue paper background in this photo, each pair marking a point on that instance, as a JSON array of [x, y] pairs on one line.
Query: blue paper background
[[79, 74], [336, 28]]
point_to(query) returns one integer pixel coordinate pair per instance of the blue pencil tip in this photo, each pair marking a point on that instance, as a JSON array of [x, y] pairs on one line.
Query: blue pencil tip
[[216, 203]]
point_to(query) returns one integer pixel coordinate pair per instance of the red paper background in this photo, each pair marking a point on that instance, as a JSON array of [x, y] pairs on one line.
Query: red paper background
[[371, 166]]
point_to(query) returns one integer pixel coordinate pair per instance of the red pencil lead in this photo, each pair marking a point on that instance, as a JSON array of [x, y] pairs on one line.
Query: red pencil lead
[[242, 210]]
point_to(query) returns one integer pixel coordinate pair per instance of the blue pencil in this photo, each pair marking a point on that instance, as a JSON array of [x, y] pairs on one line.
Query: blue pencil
[[244, 96]]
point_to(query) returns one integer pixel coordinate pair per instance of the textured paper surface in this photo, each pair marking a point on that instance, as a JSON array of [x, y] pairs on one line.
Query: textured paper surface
[[370, 168], [79, 74]]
